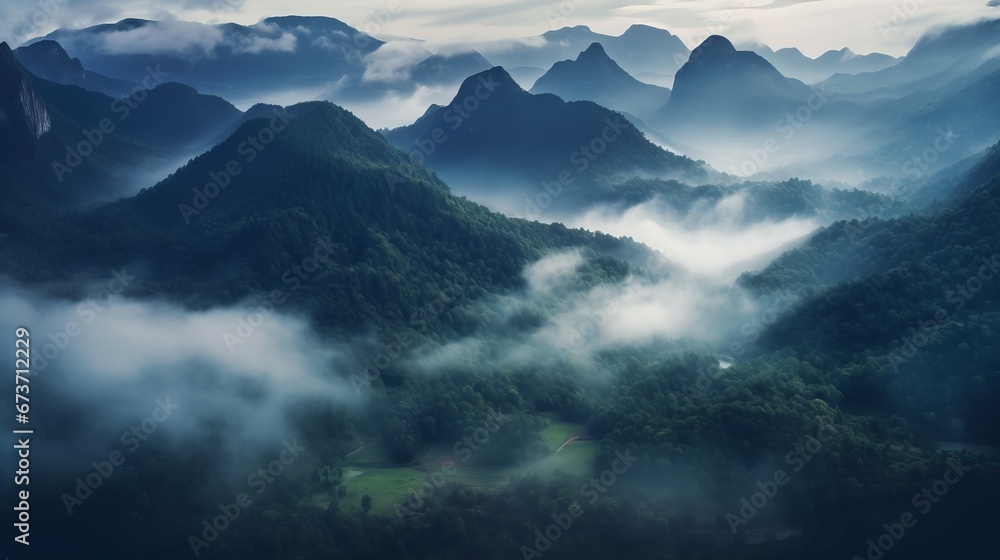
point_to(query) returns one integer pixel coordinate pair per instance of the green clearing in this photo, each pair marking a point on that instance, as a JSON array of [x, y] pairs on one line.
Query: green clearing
[[366, 472], [386, 486], [575, 460], [557, 432]]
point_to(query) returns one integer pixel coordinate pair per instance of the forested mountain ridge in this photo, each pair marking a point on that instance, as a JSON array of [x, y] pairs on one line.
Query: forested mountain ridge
[[226, 225], [900, 305]]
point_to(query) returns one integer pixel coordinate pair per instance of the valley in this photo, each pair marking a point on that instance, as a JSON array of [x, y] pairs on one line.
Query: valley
[[603, 290]]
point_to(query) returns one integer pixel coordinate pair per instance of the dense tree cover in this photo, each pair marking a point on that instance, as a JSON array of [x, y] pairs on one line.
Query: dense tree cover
[[703, 436], [398, 238], [697, 453], [911, 326]]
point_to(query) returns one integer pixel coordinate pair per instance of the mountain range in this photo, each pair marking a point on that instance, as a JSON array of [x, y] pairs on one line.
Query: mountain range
[[594, 76], [231, 60], [495, 133], [792, 63], [324, 175], [721, 89], [851, 366], [650, 54], [937, 58], [65, 146]]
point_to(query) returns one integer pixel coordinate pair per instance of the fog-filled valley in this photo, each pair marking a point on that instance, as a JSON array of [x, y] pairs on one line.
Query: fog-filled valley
[[306, 288]]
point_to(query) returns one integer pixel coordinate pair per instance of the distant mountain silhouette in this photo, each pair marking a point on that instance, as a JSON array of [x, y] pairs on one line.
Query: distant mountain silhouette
[[594, 76], [647, 53], [792, 63], [722, 88], [494, 131], [232, 60], [49, 61], [938, 57], [63, 146]]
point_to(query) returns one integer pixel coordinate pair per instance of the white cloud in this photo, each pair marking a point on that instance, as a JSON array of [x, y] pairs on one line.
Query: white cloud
[[256, 44], [814, 27], [180, 38], [119, 356], [164, 37], [546, 274], [393, 61], [709, 240], [399, 110]]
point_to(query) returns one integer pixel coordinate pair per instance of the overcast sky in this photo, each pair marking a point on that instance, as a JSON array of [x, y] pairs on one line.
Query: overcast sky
[[812, 25]]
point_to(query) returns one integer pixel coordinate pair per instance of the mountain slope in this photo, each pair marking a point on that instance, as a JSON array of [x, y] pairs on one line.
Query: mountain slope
[[725, 88], [792, 63], [987, 168], [917, 134], [393, 244], [594, 76], [939, 56], [649, 53], [49, 61], [171, 115], [905, 309], [63, 146], [41, 145]]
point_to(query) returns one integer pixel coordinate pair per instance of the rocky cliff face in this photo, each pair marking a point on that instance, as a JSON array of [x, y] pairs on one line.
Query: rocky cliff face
[[24, 118]]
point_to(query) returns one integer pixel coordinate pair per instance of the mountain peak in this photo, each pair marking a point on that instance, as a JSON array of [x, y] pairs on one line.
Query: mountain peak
[[837, 56], [726, 88], [487, 82], [595, 76], [567, 33], [716, 44], [594, 52], [299, 20], [53, 47], [128, 24], [34, 56], [314, 23], [642, 29]]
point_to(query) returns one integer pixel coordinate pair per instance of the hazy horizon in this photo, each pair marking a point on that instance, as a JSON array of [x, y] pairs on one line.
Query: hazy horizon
[[885, 26]]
